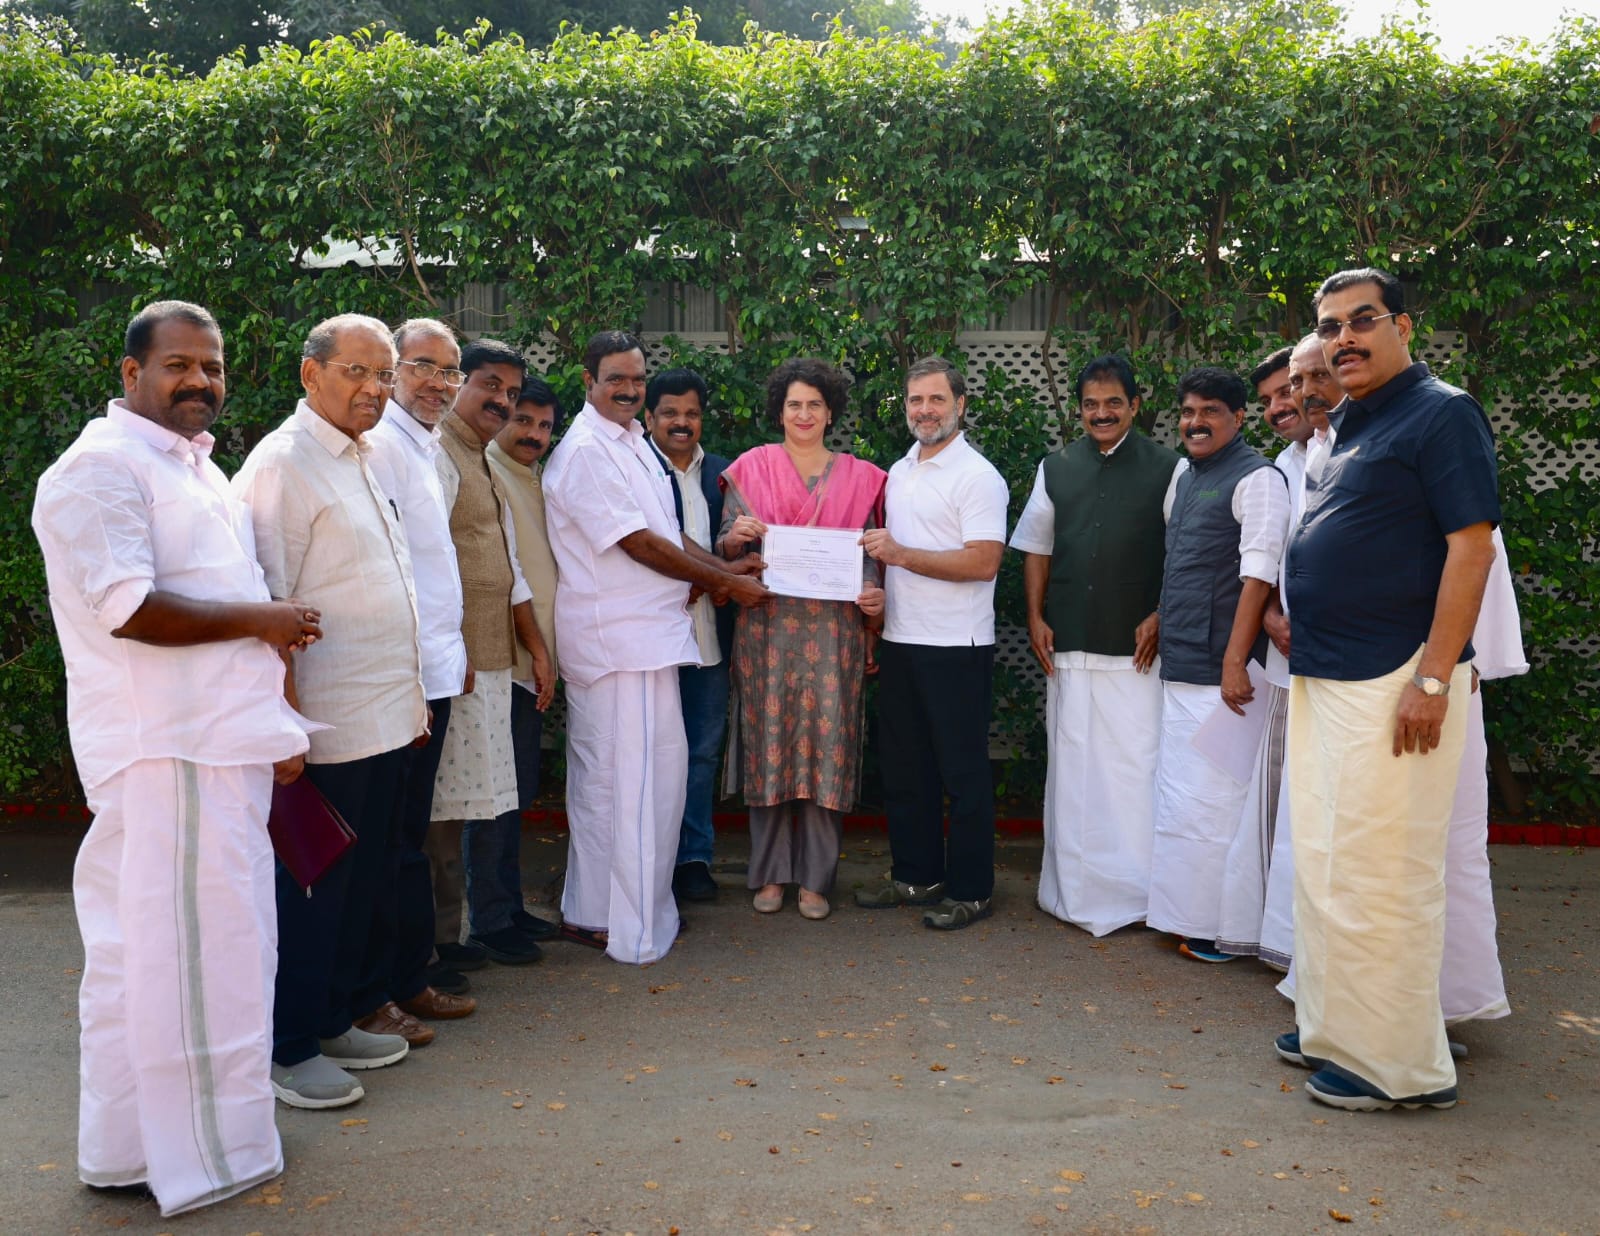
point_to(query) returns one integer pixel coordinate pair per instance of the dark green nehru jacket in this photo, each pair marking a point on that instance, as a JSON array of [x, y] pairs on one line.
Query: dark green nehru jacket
[[1105, 571]]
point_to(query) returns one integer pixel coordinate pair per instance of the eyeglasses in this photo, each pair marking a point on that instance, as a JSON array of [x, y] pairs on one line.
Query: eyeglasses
[[360, 374], [426, 371], [1362, 324]]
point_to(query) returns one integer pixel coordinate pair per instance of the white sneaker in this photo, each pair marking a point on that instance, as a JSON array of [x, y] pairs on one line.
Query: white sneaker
[[317, 1082], [360, 1049]]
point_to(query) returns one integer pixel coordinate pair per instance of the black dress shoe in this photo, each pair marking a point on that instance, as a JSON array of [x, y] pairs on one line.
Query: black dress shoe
[[508, 946], [461, 957], [442, 978], [693, 882], [534, 927]]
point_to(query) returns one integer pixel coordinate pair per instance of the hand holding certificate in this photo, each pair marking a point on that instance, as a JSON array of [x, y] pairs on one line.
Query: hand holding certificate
[[820, 564]]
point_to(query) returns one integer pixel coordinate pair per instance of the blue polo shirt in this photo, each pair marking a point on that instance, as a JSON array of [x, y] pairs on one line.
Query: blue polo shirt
[[1411, 462]]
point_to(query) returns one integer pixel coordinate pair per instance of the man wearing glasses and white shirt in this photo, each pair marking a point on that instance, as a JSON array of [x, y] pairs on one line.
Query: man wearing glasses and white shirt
[[327, 533], [405, 445]]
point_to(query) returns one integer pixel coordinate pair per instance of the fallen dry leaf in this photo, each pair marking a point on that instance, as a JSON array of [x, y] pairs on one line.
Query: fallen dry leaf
[[974, 1197], [652, 1184], [772, 1150], [827, 1116], [1068, 1174], [45, 1167], [743, 1081], [1248, 1144], [351, 1123], [1339, 1216], [517, 1105], [1053, 1081], [1019, 1060], [724, 1136], [556, 1107], [1195, 1197]]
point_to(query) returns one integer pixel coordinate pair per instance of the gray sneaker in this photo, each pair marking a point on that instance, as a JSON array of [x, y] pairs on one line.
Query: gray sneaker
[[359, 1049], [891, 892], [317, 1082], [951, 915]]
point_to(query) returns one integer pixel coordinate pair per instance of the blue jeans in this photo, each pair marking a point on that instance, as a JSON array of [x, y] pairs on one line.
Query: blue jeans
[[704, 690], [492, 849]]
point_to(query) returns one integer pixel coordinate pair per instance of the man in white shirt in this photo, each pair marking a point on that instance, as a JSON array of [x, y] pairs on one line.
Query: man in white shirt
[[178, 724], [1244, 887], [674, 411], [475, 792], [327, 533], [1316, 392], [1229, 516], [625, 571], [941, 547], [405, 445]]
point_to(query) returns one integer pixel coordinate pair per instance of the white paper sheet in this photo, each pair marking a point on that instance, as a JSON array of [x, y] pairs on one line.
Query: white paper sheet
[[823, 564], [1230, 741]]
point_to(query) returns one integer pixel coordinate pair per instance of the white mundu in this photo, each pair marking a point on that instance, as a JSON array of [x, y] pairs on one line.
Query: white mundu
[[174, 882]]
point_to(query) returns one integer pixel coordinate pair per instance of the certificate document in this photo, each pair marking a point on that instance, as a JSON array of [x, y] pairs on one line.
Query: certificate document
[[822, 564]]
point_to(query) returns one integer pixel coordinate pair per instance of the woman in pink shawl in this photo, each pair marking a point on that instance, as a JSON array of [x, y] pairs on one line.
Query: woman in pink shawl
[[798, 665]]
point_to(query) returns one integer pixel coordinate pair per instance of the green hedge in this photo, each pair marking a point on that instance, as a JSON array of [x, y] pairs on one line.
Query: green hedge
[[1181, 190]]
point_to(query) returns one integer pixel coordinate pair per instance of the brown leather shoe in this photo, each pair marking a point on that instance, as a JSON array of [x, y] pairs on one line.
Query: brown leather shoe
[[388, 1019], [438, 1005]]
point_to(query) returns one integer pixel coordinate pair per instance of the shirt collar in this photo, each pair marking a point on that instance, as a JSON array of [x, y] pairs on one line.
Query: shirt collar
[[335, 441], [949, 454], [1115, 446], [1391, 390], [158, 436], [609, 427], [425, 436]]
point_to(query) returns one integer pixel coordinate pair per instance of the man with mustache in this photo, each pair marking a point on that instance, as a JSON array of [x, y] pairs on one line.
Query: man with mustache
[[1386, 574], [1225, 534], [477, 815], [1093, 539], [1312, 387], [514, 457], [327, 533], [178, 722], [943, 537], [621, 619], [405, 444], [1245, 874], [674, 412]]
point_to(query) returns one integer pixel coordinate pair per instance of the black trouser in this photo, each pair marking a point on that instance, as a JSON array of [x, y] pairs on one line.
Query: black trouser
[[322, 939], [400, 955], [933, 736]]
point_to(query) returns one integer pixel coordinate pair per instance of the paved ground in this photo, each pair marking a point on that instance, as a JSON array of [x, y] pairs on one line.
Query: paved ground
[[865, 1075]]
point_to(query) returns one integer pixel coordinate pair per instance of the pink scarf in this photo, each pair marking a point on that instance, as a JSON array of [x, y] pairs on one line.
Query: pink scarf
[[772, 487]]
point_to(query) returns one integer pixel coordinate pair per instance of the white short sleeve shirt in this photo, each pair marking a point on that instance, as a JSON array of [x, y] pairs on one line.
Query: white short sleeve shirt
[[945, 502]]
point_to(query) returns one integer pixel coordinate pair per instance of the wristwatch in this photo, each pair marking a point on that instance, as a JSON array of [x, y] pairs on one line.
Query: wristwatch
[[1430, 686]]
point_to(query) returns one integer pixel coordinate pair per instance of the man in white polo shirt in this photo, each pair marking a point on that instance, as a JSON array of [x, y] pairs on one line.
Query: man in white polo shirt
[[945, 535], [624, 571]]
